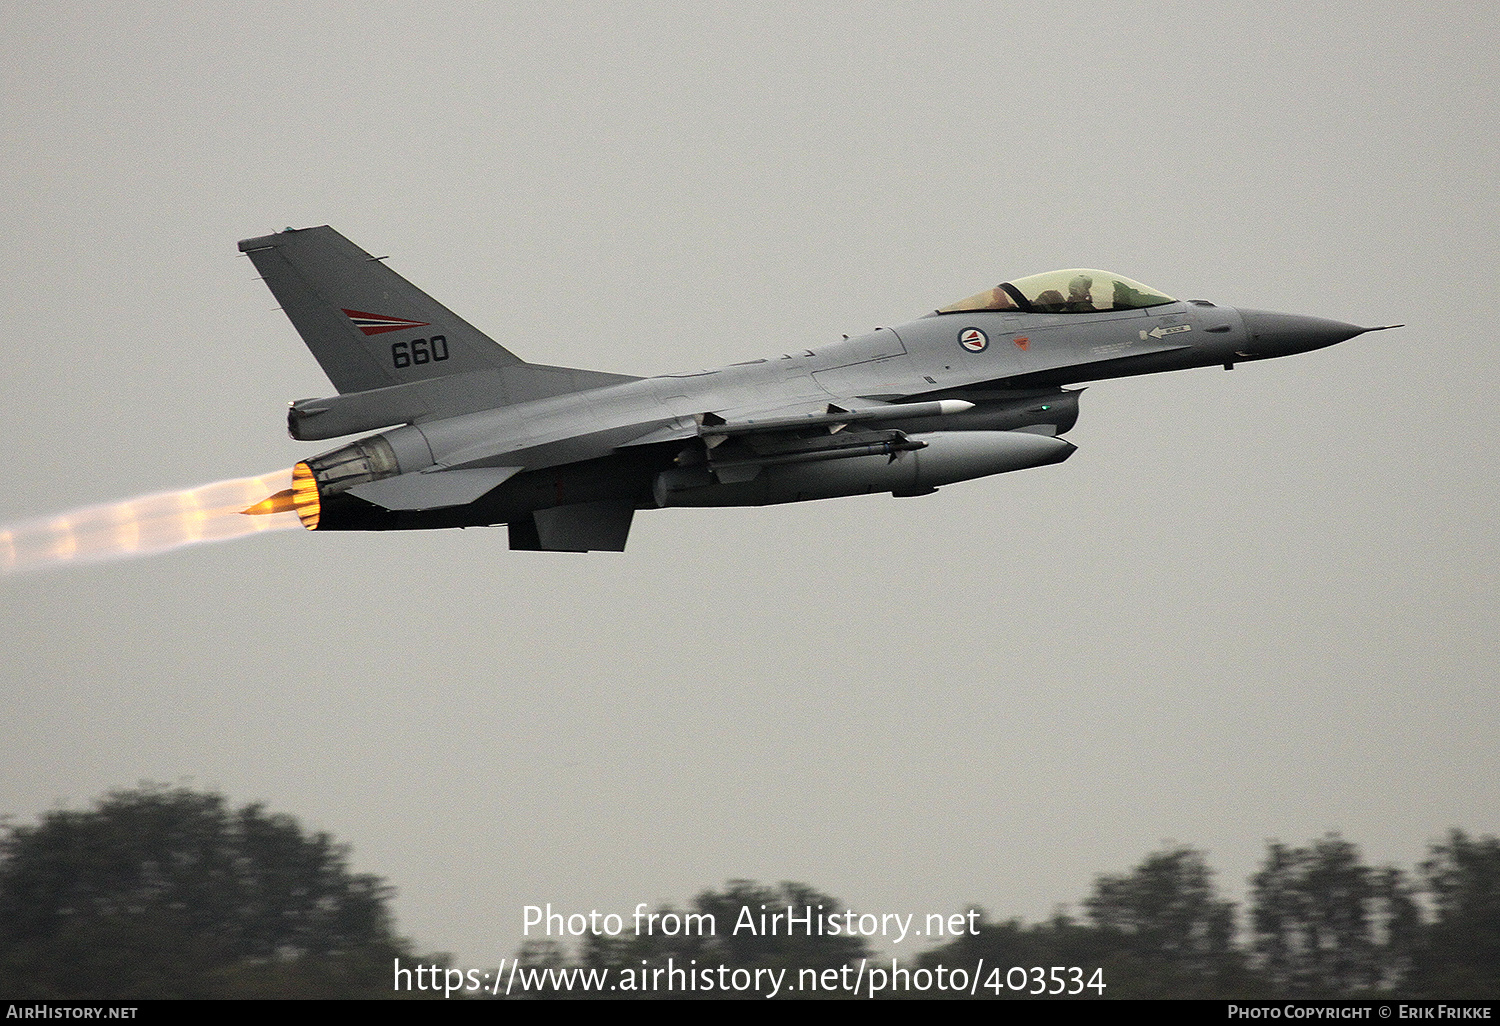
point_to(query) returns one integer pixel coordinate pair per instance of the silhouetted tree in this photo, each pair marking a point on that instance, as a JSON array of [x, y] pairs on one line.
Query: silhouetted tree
[[1461, 956], [166, 892], [1158, 931], [1166, 930], [1060, 941], [739, 938], [1324, 924]]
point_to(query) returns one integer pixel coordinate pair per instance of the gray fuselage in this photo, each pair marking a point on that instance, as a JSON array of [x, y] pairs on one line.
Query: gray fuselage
[[614, 443]]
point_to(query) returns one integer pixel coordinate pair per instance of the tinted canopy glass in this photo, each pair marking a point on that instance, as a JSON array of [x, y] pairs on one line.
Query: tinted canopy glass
[[1077, 290]]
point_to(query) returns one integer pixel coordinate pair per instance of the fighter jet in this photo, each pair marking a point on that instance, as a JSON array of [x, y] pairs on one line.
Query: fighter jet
[[474, 435]]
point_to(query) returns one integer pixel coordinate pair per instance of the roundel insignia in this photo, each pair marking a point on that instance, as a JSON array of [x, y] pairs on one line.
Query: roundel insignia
[[974, 340]]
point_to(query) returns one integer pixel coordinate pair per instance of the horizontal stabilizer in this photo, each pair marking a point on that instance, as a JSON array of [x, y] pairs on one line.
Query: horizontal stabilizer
[[433, 490]]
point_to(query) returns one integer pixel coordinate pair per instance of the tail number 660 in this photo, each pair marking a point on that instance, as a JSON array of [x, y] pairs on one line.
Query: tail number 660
[[419, 351]]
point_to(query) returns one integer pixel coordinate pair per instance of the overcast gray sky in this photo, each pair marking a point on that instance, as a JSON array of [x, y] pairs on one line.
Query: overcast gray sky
[[1253, 605]]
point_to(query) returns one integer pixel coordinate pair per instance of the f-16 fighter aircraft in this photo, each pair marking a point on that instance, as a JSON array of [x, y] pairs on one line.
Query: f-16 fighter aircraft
[[474, 435]]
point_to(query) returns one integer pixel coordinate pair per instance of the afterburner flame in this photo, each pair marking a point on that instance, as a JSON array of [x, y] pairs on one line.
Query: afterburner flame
[[281, 502], [150, 524], [305, 496], [301, 498]]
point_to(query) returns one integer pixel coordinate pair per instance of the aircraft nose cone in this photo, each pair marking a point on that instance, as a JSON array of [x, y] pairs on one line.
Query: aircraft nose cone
[[1280, 334]]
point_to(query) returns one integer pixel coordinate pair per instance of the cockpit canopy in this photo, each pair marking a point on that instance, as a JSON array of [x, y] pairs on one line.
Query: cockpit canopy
[[1079, 290]]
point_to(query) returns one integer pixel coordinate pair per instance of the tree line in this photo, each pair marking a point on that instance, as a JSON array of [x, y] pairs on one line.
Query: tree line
[[165, 892], [1319, 924], [168, 893]]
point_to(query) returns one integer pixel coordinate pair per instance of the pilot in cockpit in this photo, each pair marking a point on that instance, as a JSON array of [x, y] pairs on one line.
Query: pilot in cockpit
[[1080, 295]]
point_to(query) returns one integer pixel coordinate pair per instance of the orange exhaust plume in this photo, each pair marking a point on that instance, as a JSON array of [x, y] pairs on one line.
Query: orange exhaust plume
[[153, 523]]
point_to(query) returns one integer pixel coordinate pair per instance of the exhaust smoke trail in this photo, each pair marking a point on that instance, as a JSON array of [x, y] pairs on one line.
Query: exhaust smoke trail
[[146, 525]]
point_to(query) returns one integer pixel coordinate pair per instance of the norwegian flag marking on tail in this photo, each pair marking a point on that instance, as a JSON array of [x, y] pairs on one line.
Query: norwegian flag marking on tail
[[379, 324]]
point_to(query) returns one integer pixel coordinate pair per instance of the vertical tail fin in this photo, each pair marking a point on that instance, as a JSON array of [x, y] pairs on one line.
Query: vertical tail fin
[[367, 326]]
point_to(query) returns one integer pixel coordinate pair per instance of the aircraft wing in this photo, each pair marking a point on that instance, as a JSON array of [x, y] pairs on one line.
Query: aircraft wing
[[771, 419], [832, 417], [737, 444]]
